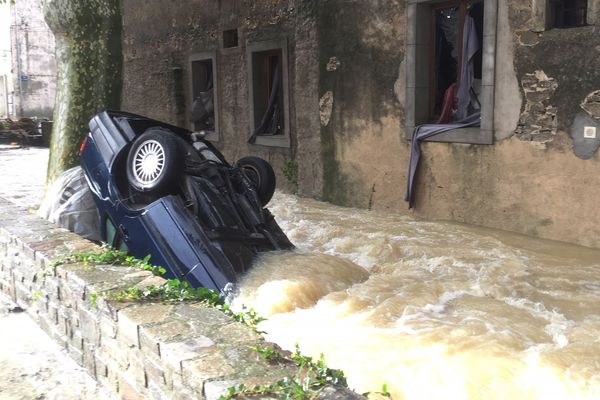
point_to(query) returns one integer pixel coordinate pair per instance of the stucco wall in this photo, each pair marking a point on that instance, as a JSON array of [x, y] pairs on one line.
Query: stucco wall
[[361, 51]]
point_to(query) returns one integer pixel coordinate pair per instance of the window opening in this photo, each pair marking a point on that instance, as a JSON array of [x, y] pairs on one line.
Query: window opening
[[423, 68], [450, 80], [268, 93], [230, 38], [457, 61], [567, 13], [203, 110]]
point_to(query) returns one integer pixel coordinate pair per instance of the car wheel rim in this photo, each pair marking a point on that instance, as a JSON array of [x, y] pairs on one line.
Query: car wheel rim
[[148, 162]]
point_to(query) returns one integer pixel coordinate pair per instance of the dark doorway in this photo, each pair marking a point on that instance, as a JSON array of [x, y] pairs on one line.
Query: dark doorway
[[203, 110]]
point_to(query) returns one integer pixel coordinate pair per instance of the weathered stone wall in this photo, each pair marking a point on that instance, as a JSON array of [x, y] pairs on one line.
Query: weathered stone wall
[[33, 61], [538, 178], [348, 119], [135, 350], [158, 41], [361, 50], [533, 180]]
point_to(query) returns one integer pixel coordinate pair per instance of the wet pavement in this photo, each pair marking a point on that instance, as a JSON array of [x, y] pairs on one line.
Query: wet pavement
[[32, 366], [23, 173]]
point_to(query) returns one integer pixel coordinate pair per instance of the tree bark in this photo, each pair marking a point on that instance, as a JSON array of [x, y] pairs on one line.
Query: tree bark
[[89, 65]]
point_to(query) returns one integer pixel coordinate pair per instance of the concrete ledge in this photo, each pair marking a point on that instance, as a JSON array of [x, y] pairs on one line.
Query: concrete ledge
[[136, 350]]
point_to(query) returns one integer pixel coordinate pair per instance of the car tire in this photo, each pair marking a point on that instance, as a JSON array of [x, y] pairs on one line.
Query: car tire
[[154, 164], [261, 174]]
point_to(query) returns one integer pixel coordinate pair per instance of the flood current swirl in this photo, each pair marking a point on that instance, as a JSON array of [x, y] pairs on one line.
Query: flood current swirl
[[433, 310]]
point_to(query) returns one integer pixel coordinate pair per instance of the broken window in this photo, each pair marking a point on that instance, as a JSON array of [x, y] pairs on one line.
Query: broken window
[[114, 236], [203, 109], [458, 35], [267, 76], [450, 62], [566, 13]]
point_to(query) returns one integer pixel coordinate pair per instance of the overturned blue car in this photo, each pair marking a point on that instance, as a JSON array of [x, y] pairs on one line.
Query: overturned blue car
[[166, 192]]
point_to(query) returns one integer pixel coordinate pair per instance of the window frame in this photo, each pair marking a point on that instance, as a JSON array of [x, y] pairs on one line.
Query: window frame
[[419, 47], [541, 17], [553, 24], [282, 140], [204, 56]]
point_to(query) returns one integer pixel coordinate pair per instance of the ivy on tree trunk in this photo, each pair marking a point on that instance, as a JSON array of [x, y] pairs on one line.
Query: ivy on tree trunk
[[89, 64]]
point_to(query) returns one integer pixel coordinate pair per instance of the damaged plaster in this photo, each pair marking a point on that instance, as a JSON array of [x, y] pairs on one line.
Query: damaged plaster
[[326, 107], [400, 84], [528, 38], [333, 64], [538, 120], [591, 104]]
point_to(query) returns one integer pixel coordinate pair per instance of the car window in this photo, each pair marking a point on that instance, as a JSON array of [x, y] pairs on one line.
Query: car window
[[111, 232], [114, 236], [123, 247]]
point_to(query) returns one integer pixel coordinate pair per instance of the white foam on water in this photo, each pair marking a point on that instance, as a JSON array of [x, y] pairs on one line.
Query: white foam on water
[[445, 310]]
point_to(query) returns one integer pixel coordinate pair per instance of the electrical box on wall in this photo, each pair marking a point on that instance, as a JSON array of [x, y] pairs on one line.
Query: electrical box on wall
[[589, 132]]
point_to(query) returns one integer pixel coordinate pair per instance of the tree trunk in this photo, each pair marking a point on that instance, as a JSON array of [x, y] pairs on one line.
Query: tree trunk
[[89, 64]]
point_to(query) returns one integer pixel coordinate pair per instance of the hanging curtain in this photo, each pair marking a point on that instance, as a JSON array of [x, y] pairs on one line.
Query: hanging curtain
[[423, 132], [203, 107], [271, 120], [470, 46]]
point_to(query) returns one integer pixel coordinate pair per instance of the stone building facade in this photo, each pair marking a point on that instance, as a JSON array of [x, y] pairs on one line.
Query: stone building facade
[[29, 84], [5, 60], [335, 88]]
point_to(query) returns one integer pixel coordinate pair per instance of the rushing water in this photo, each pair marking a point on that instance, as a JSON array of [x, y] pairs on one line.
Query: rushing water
[[434, 310]]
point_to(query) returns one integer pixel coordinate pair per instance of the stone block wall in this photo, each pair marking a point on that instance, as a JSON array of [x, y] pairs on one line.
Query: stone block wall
[[135, 349]]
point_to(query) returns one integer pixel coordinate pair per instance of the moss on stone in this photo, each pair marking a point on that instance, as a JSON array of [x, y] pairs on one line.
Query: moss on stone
[[89, 63]]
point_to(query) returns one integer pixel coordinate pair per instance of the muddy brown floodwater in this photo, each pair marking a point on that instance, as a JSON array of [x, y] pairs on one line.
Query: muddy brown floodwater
[[433, 310]]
